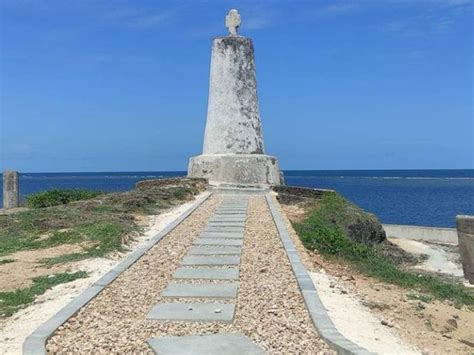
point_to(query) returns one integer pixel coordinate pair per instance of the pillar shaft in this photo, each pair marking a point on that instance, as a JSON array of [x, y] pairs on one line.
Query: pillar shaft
[[233, 120], [11, 191]]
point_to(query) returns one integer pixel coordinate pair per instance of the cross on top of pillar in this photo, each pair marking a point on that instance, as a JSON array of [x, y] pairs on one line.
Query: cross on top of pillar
[[232, 21]]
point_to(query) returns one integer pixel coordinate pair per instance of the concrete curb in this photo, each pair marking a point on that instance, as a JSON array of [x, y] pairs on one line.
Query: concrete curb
[[422, 233], [318, 313], [35, 343]]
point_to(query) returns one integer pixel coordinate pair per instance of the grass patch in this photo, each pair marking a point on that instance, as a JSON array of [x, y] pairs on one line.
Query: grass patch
[[59, 197], [106, 237], [12, 301], [321, 231], [104, 221]]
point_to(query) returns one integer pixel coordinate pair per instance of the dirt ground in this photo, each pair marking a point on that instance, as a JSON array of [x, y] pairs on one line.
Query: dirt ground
[[27, 265], [434, 327]]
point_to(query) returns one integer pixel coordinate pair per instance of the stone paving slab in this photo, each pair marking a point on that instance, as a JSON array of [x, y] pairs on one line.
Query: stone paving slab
[[214, 344], [215, 250], [212, 290], [195, 312], [223, 232], [225, 225], [218, 214], [221, 236], [211, 260], [227, 220], [224, 229], [207, 273], [218, 223], [223, 241], [233, 210]]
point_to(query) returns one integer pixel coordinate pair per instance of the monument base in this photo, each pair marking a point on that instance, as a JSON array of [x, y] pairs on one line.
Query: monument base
[[236, 169]]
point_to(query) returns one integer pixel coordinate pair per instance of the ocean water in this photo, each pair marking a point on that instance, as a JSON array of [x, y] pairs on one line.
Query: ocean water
[[418, 197]]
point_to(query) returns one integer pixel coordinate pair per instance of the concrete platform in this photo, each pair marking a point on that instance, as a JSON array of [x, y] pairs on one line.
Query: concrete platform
[[207, 273], [206, 290], [214, 344], [215, 250], [193, 312], [222, 241], [211, 260]]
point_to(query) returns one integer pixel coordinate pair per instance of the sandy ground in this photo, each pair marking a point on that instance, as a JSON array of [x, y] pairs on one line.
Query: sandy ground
[[15, 329], [270, 308], [439, 259], [29, 262], [432, 328], [346, 311]]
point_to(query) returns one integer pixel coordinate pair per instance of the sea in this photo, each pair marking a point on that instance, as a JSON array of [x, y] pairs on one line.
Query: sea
[[415, 197]]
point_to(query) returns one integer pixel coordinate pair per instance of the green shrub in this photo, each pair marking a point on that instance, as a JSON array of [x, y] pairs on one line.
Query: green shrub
[[59, 197], [323, 230]]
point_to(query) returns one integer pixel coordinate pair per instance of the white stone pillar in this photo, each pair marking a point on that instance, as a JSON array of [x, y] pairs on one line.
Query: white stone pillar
[[233, 120], [11, 191], [465, 228], [233, 150]]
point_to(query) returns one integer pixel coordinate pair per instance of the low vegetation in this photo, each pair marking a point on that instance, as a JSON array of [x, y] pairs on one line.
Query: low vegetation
[[10, 302], [59, 197], [324, 230], [95, 224]]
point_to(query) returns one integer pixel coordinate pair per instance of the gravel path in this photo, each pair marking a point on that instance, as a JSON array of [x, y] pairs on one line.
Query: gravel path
[[270, 309]]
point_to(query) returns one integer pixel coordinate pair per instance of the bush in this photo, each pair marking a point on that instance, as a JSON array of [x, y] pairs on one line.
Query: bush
[[324, 230], [59, 197]]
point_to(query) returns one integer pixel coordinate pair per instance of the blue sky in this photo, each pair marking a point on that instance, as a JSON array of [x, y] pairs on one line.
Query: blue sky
[[123, 85]]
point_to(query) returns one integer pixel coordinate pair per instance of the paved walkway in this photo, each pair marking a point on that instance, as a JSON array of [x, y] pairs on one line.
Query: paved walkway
[[219, 279], [209, 273]]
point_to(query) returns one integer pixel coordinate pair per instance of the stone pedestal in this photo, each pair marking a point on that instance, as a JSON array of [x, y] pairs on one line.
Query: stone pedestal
[[465, 227], [233, 151], [11, 191], [236, 169]]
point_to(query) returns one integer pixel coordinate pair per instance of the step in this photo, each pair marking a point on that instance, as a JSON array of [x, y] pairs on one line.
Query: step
[[221, 241], [222, 235], [213, 344], [215, 250], [211, 260], [207, 273], [211, 290], [193, 312]]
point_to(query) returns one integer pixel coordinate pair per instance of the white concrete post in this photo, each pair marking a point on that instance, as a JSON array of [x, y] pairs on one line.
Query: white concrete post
[[11, 190]]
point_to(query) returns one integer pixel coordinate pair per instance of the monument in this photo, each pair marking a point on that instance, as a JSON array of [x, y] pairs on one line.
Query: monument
[[233, 151]]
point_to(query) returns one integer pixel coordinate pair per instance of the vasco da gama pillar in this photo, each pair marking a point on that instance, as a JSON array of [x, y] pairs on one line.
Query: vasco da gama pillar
[[233, 152]]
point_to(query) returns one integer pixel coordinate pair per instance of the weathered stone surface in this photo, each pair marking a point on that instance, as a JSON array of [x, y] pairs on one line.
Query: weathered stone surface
[[215, 344], [465, 228], [245, 169], [211, 260], [215, 241], [233, 151], [205, 290], [221, 235], [194, 312], [11, 189], [224, 229], [207, 273], [215, 250], [233, 119]]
